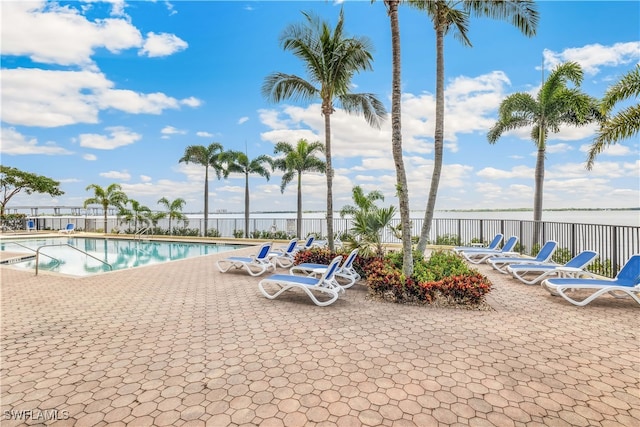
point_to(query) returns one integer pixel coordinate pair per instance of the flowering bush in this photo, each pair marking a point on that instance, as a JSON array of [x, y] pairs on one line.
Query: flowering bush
[[443, 278]]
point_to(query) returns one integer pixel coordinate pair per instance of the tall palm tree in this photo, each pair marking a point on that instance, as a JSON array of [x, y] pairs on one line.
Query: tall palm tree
[[174, 210], [625, 123], [446, 16], [111, 196], [296, 161], [402, 187], [209, 156], [331, 60], [239, 162], [555, 105]]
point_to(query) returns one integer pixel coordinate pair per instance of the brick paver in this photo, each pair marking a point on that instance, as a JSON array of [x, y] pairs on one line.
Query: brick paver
[[182, 344]]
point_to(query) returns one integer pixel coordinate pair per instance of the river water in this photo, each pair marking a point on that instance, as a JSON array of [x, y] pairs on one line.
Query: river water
[[604, 217]]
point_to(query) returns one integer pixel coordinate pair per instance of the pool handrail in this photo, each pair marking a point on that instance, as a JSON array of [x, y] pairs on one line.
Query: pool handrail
[[71, 246]]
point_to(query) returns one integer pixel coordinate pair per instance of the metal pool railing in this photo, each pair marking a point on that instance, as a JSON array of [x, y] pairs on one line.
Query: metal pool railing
[[615, 244]]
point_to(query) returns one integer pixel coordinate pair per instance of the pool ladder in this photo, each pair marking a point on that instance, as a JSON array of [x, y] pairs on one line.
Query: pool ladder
[[139, 233], [71, 246]]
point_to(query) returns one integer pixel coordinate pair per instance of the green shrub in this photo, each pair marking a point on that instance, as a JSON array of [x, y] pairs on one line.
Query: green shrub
[[238, 234], [443, 278]]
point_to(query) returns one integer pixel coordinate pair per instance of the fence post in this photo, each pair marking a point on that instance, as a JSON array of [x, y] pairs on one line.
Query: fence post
[[614, 251]]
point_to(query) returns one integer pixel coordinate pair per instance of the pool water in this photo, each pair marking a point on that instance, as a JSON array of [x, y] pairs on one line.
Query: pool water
[[104, 254]]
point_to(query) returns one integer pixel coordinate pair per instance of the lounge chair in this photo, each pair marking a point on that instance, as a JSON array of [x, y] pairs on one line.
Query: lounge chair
[[345, 271], [31, 225], [493, 245], [626, 283], [324, 285], [255, 265], [481, 255], [307, 243], [69, 229], [572, 268], [543, 256], [284, 256]]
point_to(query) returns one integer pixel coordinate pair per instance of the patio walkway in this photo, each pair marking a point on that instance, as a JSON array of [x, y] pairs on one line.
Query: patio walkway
[[181, 344]]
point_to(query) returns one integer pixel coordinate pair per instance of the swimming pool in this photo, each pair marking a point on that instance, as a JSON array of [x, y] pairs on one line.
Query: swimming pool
[[57, 255]]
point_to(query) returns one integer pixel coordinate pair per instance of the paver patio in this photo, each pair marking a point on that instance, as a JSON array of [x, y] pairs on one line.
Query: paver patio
[[182, 344]]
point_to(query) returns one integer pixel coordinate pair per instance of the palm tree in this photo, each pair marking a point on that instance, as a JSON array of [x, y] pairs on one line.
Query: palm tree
[[625, 123], [396, 139], [239, 162], [363, 202], [296, 161], [205, 156], [555, 105], [446, 16], [331, 60], [137, 213], [369, 221], [174, 210], [111, 196]]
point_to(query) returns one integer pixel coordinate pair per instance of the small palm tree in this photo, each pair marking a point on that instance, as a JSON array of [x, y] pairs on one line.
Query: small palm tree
[[626, 122], [111, 196], [137, 213], [363, 202], [368, 221], [239, 162], [210, 156], [554, 106], [174, 210], [296, 161], [331, 60]]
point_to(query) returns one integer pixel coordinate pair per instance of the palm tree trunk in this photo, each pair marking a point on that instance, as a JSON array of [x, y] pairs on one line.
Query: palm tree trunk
[[438, 140], [539, 184], [105, 207], [246, 205], [396, 141], [327, 110], [206, 199], [299, 216]]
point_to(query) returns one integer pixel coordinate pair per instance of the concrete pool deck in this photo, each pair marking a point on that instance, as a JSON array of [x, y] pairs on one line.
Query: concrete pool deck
[[182, 344]]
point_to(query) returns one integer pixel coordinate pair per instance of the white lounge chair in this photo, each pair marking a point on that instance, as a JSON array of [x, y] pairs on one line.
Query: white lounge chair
[[572, 268], [308, 243], [345, 271], [31, 225], [324, 285], [284, 256], [626, 283], [255, 265], [481, 255], [69, 229], [493, 245], [543, 256]]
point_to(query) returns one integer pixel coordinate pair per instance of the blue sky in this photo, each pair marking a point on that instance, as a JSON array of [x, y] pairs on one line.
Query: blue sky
[[113, 92]]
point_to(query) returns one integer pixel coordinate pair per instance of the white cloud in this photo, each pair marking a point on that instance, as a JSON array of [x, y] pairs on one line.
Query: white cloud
[[515, 172], [123, 175], [53, 34], [204, 134], [557, 148], [243, 120], [119, 137], [51, 98], [90, 157], [14, 143], [170, 130], [145, 178], [192, 101], [616, 150], [592, 57], [162, 44]]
